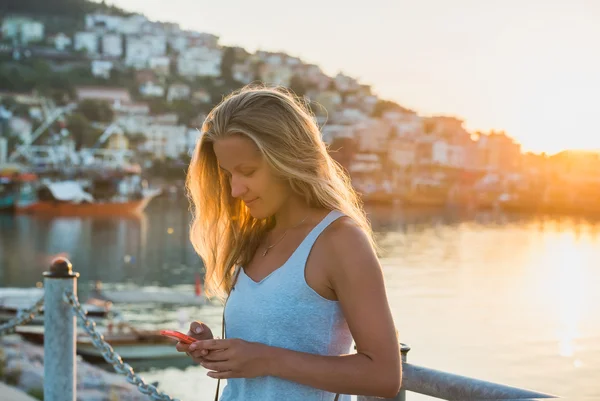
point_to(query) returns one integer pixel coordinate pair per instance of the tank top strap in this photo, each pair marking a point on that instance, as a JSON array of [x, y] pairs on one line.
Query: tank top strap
[[301, 254]]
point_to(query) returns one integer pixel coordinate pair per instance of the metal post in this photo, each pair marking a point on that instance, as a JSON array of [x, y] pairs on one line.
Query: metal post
[[59, 333], [403, 351]]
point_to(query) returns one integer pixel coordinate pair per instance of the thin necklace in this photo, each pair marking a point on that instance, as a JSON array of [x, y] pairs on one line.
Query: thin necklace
[[281, 238]]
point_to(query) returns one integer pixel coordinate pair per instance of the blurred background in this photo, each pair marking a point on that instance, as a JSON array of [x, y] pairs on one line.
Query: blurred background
[[470, 129]]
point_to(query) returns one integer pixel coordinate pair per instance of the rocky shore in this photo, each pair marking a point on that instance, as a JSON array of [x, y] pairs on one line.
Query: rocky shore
[[22, 368]]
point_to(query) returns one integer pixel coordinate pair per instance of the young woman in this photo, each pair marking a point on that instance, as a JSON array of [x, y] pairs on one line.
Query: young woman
[[284, 239]]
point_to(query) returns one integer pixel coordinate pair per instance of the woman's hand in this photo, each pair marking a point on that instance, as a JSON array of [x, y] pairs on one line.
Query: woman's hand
[[232, 358], [199, 331]]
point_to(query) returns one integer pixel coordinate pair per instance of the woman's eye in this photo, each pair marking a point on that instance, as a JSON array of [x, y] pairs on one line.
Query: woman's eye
[[248, 173]]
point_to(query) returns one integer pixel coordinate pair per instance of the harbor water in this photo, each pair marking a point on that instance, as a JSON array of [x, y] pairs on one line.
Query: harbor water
[[507, 298]]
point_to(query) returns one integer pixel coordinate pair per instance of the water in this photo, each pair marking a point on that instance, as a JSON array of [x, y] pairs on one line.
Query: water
[[511, 299]]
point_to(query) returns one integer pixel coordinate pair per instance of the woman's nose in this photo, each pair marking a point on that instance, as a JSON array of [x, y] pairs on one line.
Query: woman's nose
[[237, 188]]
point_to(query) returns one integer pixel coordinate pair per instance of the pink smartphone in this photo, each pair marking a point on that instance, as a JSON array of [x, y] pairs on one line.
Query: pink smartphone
[[182, 338]]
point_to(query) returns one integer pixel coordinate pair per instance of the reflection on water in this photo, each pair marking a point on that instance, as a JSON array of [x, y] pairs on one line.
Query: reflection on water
[[507, 298]]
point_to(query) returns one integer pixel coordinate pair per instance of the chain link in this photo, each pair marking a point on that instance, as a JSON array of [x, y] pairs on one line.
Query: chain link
[[24, 316], [109, 355]]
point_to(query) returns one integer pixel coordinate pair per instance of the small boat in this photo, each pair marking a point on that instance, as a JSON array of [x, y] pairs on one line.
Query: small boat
[[128, 342], [69, 198], [96, 309], [12, 177]]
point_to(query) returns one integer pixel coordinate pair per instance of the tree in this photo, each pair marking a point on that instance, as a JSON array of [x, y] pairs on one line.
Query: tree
[[227, 64], [383, 106], [297, 85], [79, 127], [94, 110], [429, 126]]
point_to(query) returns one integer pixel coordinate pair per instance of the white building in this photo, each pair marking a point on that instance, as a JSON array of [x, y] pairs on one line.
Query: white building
[[373, 135], [275, 74], [166, 140], [101, 68], [202, 39], [111, 95], [331, 132], [368, 103], [179, 43], [178, 92], [62, 41], [243, 73], [202, 96], [103, 22], [133, 24], [402, 151], [158, 44], [200, 61], [140, 49], [87, 41], [22, 29], [138, 52], [160, 64], [21, 128], [349, 116], [151, 89], [132, 108], [112, 45], [344, 83], [447, 155]]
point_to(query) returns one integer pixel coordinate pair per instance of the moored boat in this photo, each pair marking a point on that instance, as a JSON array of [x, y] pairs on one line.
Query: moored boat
[[12, 177], [99, 197], [96, 309], [131, 345]]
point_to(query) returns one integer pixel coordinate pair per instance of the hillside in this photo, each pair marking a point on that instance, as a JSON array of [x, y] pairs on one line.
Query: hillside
[[57, 14]]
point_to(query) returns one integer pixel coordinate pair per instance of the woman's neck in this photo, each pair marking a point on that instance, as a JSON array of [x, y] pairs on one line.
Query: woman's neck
[[292, 213]]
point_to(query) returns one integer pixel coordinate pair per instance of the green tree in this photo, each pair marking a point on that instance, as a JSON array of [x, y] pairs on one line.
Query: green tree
[[227, 63], [297, 85], [81, 130], [383, 106], [94, 110]]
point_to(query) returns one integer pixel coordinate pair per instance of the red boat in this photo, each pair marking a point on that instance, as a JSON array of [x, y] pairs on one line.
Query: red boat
[[98, 198]]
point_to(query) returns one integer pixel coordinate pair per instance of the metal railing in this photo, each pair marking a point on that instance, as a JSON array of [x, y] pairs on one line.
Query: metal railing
[[61, 308]]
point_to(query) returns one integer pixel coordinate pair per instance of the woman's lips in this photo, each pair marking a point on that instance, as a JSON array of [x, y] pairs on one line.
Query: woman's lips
[[250, 202]]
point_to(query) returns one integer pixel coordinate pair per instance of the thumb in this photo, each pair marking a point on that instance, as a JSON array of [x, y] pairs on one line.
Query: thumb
[[199, 330]]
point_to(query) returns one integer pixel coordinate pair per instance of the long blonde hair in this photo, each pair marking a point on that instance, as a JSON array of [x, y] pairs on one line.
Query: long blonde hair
[[223, 232]]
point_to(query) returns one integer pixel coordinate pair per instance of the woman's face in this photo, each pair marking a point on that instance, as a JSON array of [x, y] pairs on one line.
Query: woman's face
[[251, 178]]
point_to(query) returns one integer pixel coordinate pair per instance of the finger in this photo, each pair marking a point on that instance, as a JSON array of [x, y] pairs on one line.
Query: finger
[[216, 355], [221, 375], [201, 354], [210, 344], [181, 347], [197, 360], [216, 366]]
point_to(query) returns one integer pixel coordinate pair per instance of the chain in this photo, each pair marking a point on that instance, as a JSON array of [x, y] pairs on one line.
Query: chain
[[109, 355], [23, 317]]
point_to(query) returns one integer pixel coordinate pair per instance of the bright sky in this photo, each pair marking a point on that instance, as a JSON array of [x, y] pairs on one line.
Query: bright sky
[[529, 67]]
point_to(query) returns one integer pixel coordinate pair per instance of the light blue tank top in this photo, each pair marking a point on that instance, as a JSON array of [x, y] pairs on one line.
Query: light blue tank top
[[282, 310]]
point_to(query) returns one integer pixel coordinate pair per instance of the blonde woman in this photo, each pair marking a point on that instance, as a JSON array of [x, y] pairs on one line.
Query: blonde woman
[[285, 241]]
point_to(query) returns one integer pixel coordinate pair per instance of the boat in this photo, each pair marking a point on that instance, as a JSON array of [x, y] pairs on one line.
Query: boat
[[96, 309], [12, 177], [88, 197], [130, 343]]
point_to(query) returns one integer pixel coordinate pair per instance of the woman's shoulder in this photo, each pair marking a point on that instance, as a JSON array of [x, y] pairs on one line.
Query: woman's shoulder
[[344, 240]]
